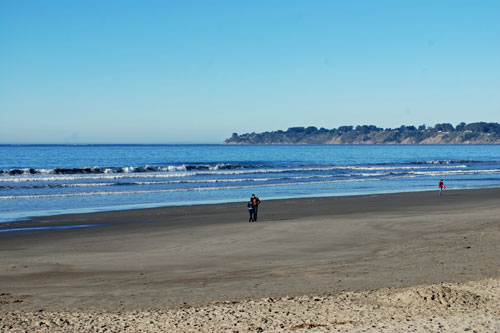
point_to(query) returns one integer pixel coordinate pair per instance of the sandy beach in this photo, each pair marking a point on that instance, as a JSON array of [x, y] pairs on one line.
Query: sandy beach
[[406, 261]]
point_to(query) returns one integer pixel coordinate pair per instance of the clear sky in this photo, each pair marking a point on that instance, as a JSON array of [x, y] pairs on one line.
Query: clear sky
[[97, 71]]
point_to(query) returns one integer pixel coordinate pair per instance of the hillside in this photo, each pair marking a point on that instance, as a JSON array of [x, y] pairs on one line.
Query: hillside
[[473, 133]]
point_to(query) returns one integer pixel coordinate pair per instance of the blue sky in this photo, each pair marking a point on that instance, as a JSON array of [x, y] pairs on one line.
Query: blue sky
[[197, 71]]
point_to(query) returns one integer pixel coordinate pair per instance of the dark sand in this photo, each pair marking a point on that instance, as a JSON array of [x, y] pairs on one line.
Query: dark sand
[[168, 257]]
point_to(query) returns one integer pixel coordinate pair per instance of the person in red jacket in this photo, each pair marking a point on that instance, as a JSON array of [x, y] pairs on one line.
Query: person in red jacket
[[256, 203], [441, 187]]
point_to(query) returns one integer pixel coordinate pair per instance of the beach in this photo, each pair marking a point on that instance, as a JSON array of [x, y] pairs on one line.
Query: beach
[[381, 262]]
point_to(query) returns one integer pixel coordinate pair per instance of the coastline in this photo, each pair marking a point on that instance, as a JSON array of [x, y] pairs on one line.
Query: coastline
[[172, 260], [281, 209]]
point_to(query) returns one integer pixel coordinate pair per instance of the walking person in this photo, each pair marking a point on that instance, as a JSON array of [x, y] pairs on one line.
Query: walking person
[[250, 209], [441, 187], [255, 200]]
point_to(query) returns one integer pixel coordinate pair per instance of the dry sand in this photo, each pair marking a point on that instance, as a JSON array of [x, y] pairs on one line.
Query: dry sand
[[409, 261], [448, 307]]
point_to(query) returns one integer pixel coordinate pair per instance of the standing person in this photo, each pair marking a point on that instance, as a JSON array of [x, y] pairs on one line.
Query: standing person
[[441, 187], [250, 210], [256, 203]]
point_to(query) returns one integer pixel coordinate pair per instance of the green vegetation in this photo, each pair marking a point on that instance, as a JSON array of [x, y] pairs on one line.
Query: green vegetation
[[445, 133]]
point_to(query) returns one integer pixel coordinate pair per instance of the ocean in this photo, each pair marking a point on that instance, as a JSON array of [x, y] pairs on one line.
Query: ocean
[[42, 180]]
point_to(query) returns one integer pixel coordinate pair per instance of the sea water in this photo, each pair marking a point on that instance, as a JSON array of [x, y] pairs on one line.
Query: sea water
[[38, 180]]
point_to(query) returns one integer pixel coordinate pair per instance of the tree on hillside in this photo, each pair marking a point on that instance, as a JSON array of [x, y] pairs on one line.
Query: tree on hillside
[[444, 127], [483, 127], [460, 127], [296, 129], [345, 128], [311, 130]]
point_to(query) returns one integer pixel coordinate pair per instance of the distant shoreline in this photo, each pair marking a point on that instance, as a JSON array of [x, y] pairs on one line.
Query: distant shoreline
[[473, 133], [225, 142], [363, 144]]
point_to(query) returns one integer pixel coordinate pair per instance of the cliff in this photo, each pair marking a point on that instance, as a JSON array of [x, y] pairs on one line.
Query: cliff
[[473, 133]]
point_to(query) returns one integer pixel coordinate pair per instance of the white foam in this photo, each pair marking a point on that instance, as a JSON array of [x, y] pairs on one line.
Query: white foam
[[101, 193], [454, 172], [201, 181], [81, 185], [39, 178], [425, 167]]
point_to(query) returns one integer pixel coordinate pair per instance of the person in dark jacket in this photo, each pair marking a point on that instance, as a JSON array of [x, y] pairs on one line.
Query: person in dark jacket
[[250, 210]]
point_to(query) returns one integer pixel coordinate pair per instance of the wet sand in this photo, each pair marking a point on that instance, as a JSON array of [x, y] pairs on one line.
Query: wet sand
[[162, 263]]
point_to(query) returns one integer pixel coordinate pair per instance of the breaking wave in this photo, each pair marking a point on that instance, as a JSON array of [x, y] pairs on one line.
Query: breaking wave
[[126, 169], [98, 173]]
